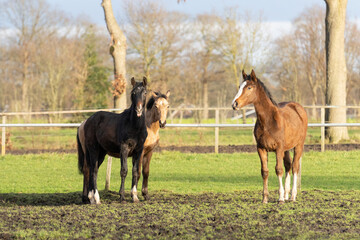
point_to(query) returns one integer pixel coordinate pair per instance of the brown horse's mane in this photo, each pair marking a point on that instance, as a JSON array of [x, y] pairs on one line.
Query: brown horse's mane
[[152, 100], [267, 92]]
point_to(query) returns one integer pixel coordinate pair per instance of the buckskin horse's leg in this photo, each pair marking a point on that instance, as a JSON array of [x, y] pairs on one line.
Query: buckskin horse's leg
[[295, 169], [279, 172], [136, 160], [264, 172], [287, 163], [146, 171]]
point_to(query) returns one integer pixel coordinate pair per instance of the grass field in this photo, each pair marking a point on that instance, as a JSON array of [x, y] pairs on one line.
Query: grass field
[[192, 196]]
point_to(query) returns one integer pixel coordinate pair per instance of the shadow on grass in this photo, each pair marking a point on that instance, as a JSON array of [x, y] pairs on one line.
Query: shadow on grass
[[53, 199]]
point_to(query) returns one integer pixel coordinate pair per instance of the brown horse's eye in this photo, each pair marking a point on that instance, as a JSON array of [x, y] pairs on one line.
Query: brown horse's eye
[[249, 88]]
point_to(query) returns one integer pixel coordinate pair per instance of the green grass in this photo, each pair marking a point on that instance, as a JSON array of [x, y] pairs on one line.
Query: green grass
[[193, 196], [180, 173]]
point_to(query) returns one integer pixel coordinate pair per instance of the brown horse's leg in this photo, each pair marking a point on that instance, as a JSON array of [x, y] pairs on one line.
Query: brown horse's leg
[[264, 172], [279, 172], [146, 171], [287, 163], [295, 169]]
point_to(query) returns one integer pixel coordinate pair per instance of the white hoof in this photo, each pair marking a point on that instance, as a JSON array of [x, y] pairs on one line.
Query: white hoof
[[94, 197]]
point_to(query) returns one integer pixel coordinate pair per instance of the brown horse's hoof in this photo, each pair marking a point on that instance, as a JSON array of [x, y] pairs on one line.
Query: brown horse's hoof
[[281, 202], [146, 197]]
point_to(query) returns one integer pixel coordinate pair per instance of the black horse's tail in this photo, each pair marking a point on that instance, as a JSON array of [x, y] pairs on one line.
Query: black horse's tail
[[81, 155]]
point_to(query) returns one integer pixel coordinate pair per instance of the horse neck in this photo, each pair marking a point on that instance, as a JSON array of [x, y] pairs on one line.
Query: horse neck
[[152, 123], [264, 109]]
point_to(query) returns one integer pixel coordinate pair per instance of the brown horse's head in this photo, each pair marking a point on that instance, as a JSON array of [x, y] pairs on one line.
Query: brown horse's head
[[247, 91], [159, 105]]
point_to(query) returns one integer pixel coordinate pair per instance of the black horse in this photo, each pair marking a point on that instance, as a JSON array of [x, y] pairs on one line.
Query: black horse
[[118, 135]]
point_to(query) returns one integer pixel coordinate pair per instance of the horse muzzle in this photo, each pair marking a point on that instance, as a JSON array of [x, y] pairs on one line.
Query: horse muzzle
[[139, 110], [235, 106], [162, 125]]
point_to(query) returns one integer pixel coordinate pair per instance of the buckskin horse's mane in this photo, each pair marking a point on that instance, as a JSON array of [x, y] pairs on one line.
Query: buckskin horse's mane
[[151, 101]]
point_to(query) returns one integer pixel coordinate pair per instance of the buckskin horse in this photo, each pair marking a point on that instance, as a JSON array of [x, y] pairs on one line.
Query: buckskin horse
[[156, 112], [279, 128], [119, 135]]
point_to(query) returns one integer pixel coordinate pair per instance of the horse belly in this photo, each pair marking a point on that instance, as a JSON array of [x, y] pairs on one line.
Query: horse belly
[[266, 141]]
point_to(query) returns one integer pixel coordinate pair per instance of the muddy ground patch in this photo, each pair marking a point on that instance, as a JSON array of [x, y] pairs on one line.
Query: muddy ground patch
[[239, 215]]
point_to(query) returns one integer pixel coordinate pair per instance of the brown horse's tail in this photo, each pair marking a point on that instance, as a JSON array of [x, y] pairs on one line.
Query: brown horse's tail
[[81, 155]]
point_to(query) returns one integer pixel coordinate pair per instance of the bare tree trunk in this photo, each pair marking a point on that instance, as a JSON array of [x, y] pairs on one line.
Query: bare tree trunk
[[118, 52], [335, 68]]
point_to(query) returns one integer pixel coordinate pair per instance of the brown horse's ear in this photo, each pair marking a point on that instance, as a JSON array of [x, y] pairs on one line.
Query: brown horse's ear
[[253, 76], [144, 81], [168, 93], [154, 94], [133, 81], [244, 75]]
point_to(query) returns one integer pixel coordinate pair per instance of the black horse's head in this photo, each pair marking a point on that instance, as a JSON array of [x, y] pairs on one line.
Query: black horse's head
[[138, 95]]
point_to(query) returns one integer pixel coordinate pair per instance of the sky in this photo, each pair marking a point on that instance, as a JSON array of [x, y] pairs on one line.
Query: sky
[[273, 10]]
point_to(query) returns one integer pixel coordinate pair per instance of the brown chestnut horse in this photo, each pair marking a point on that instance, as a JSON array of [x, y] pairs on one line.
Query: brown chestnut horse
[[279, 128]]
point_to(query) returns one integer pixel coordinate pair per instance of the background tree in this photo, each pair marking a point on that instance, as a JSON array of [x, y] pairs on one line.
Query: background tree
[[118, 52], [336, 73], [33, 21]]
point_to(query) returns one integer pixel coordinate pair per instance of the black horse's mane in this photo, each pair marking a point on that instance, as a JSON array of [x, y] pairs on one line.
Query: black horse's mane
[[152, 100]]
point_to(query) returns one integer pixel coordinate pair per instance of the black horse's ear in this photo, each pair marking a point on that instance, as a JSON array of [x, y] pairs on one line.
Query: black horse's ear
[[253, 76], [133, 81], [244, 75], [144, 81]]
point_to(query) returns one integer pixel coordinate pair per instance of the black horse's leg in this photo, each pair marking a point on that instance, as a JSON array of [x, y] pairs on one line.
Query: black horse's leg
[[86, 172], [93, 192], [135, 175], [123, 172], [146, 172], [287, 164]]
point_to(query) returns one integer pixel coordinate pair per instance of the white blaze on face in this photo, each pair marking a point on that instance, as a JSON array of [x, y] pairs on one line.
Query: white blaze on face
[[241, 88]]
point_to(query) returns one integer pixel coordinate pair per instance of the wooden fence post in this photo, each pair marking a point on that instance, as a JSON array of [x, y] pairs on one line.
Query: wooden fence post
[[217, 131], [108, 174], [322, 116], [3, 137]]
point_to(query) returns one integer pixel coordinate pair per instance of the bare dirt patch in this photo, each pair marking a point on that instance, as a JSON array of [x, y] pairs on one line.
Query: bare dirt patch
[[316, 214]]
